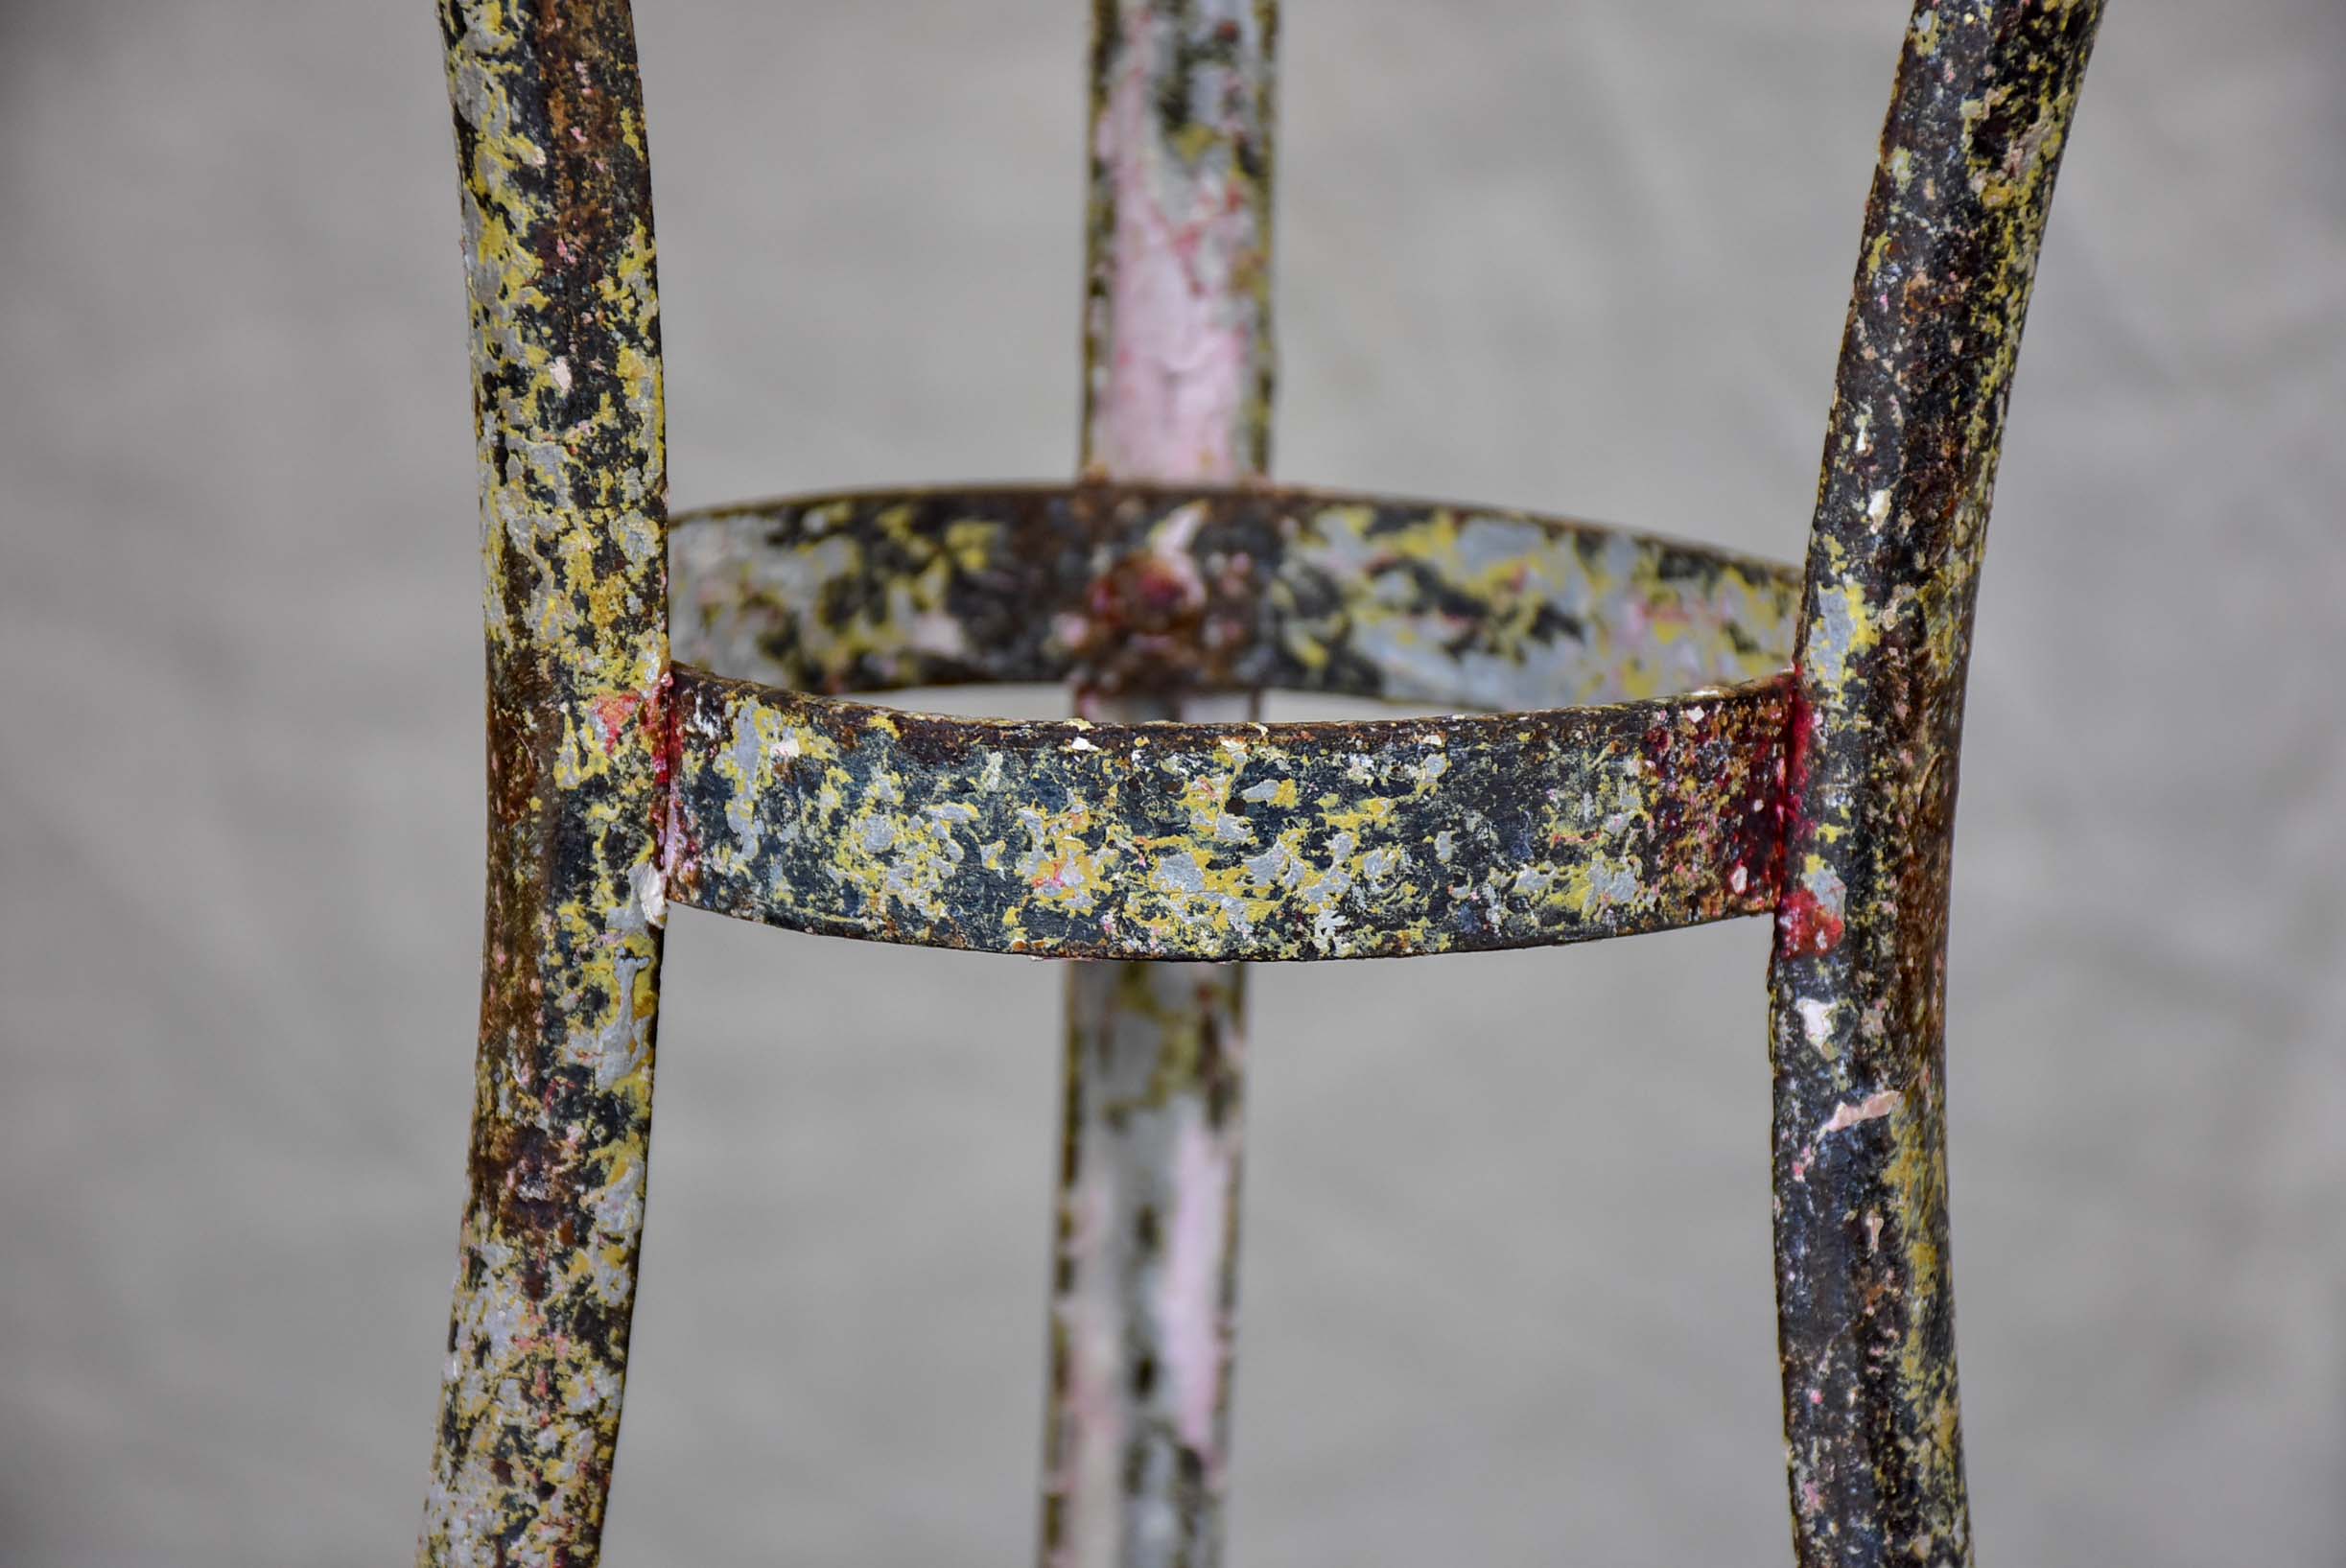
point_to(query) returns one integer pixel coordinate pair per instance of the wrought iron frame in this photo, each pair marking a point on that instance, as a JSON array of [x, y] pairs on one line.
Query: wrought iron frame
[[1652, 735]]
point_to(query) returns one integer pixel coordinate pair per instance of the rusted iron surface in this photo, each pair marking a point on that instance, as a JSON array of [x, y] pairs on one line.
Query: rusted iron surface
[[566, 366], [1378, 838], [1218, 586], [1976, 129], [1143, 589], [1711, 784], [1178, 371]]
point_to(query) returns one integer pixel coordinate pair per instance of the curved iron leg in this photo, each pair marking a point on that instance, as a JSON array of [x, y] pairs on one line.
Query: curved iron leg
[[566, 366], [1867, 1318]]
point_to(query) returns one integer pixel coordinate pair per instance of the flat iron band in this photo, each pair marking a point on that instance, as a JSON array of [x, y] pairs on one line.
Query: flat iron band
[[1125, 588], [1378, 838]]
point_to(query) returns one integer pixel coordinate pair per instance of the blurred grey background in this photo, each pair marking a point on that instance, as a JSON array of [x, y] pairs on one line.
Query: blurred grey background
[[1507, 1293]]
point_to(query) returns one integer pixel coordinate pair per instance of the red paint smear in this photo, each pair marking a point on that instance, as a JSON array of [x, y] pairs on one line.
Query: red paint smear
[[1803, 926], [1801, 723], [1143, 591], [659, 720], [664, 721], [1804, 929], [613, 712]]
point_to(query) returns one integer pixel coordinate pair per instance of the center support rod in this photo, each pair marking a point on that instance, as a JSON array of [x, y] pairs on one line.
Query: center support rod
[[1178, 376]]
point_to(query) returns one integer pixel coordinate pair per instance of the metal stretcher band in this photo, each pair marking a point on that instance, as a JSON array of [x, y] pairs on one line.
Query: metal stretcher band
[[1153, 589], [1373, 840]]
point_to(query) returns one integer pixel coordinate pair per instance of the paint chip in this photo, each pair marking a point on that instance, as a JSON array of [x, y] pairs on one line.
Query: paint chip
[[1873, 1107]]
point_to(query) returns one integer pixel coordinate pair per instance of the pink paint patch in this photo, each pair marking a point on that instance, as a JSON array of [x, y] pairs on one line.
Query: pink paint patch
[[1873, 1107], [1178, 371], [1190, 1310], [1091, 1408]]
